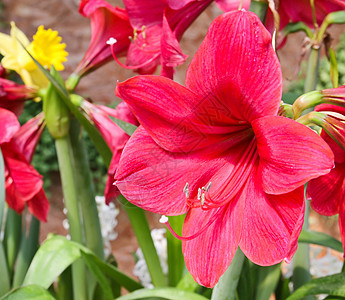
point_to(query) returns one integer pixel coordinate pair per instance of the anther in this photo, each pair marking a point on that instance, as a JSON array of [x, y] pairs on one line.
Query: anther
[[143, 31], [208, 187], [199, 193], [164, 219], [202, 199], [111, 41], [186, 187]]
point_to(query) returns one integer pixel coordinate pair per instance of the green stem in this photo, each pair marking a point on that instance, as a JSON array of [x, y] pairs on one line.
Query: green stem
[[301, 260], [28, 248], [143, 233], [13, 232], [226, 287], [175, 257], [312, 70], [86, 195], [70, 193]]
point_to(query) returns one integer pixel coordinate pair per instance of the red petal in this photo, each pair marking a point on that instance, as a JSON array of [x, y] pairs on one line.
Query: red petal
[[39, 206], [327, 192], [27, 181], [172, 55], [209, 255], [176, 118], [9, 125], [145, 12], [290, 154], [154, 179], [237, 65], [271, 223], [229, 5]]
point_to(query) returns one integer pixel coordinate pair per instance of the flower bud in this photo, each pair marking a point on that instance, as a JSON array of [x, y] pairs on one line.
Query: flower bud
[[57, 114]]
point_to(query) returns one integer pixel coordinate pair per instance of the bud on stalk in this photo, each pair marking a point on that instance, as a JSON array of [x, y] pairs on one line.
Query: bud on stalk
[[57, 114]]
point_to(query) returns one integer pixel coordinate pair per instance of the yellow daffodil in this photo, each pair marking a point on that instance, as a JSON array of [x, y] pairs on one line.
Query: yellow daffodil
[[46, 47]]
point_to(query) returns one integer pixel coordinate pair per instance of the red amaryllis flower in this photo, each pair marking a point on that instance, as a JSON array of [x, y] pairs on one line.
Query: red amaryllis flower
[[158, 26], [301, 10], [217, 150], [13, 95], [327, 193], [106, 22], [23, 183], [114, 136]]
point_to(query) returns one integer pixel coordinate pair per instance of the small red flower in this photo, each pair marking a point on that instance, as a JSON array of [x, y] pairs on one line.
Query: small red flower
[[13, 95], [23, 183], [114, 136], [301, 10], [106, 22], [327, 192], [217, 150]]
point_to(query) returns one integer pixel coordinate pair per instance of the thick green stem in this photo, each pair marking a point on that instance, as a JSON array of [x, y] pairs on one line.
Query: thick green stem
[[28, 248], [175, 256], [226, 287], [13, 232], [86, 195], [312, 70], [143, 233], [2, 189], [301, 260], [70, 193]]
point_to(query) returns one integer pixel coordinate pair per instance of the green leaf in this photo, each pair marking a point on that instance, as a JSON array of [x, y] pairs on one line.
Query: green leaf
[[332, 285], [319, 238], [97, 272], [5, 276], [57, 253], [93, 132], [268, 278], [333, 68], [31, 292], [51, 259], [125, 126], [164, 293], [187, 283]]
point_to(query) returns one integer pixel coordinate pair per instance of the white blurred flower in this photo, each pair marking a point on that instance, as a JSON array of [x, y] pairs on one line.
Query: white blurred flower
[[107, 217], [160, 243]]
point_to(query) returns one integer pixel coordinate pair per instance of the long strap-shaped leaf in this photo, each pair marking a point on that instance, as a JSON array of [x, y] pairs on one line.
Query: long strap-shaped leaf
[[319, 238], [163, 293], [57, 253]]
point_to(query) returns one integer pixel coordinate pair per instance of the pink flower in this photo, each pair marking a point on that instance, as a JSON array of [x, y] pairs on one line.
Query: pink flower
[[23, 183], [114, 136], [327, 193], [13, 95], [217, 150], [106, 22]]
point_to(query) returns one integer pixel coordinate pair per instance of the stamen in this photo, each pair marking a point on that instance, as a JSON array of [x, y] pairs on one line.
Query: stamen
[[199, 193], [208, 186], [193, 236], [202, 199], [143, 32], [133, 67], [111, 41], [186, 187]]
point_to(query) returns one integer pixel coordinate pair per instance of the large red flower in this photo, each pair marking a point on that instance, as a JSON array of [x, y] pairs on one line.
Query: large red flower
[[23, 183], [217, 150], [327, 193], [106, 22], [113, 135]]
